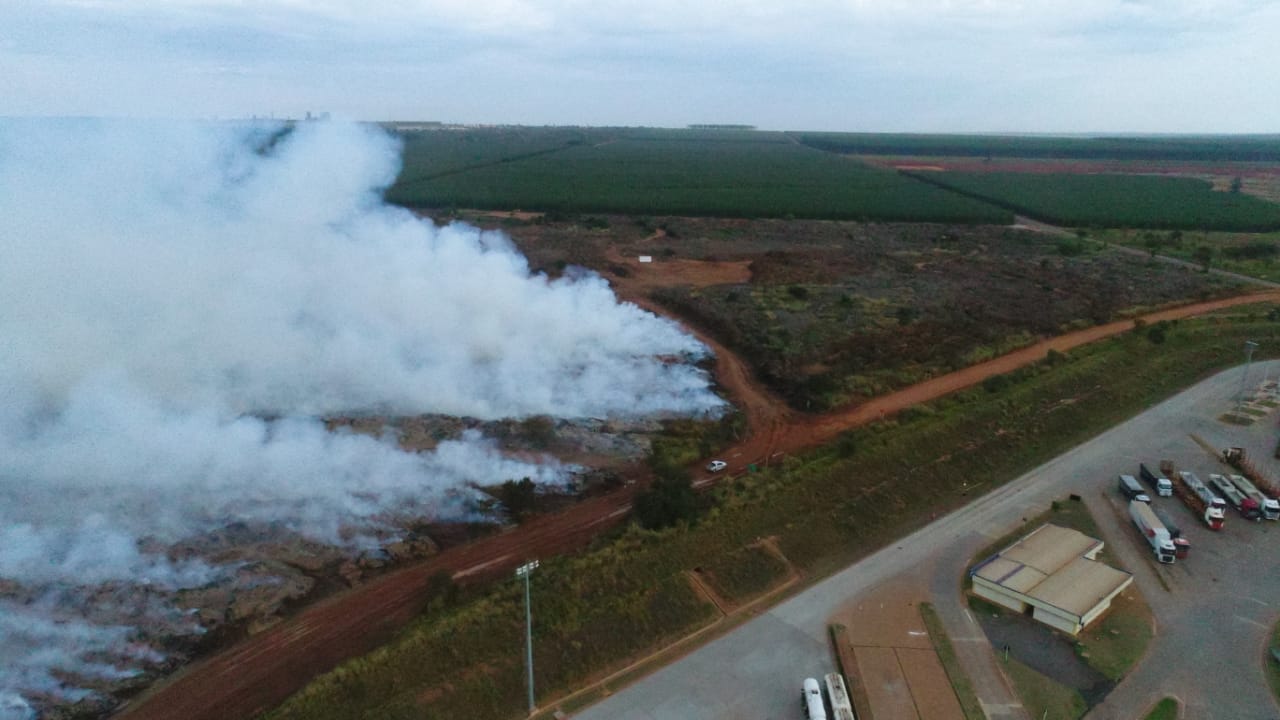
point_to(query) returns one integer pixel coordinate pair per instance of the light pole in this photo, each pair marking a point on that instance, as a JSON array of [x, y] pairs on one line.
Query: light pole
[[524, 571], [1249, 347]]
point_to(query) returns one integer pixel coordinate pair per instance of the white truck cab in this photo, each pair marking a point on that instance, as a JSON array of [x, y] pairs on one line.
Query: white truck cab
[[811, 697]]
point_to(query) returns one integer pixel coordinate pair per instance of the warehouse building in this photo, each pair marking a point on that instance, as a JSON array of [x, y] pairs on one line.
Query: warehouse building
[[1052, 575]]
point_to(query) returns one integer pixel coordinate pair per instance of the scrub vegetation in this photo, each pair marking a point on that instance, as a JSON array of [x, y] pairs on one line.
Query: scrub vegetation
[[833, 312], [1253, 254], [629, 595]]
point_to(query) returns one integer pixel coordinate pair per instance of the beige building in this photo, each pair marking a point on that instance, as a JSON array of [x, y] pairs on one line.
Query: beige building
[[1052, 575]]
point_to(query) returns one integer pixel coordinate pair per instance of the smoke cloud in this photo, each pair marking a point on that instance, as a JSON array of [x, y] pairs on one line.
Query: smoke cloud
[[179, 304]]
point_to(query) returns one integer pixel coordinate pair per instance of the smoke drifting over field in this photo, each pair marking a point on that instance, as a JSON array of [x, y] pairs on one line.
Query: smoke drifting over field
[[165, 288]]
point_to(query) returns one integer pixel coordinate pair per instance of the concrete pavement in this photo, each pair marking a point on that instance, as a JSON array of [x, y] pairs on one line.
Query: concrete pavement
[[755, 671]]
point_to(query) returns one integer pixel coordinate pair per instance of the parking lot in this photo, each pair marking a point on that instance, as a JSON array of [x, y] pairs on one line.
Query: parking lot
[[1213, 621]]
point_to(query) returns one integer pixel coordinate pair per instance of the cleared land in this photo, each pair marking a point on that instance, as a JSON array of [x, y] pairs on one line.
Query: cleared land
[[828, 313]]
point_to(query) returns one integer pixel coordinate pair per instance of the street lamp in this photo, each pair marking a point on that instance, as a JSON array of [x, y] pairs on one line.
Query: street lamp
[[1249, 347], [524, 571]]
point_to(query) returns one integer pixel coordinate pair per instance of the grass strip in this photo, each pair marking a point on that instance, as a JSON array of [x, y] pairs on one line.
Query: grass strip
[[1042, 697], [1272, 662], [947, 655], [1166, 709]]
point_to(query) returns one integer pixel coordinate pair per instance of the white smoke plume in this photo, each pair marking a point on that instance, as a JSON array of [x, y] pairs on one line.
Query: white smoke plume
[[166, 287]]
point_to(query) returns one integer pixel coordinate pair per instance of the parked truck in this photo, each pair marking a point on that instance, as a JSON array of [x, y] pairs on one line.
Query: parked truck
[[1246, 506], [1200, 499], [1130, 488], [1153, 531], [1181, 545], [1156, 480], [841, 705], [1269, 507], [811, 700]]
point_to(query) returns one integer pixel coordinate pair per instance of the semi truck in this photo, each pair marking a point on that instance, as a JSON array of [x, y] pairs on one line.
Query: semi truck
[[841, 705], [1155, 533], [1270, 508], [1246, 506], [1200, 499], [811, 700], [1181, 545], [1130, 488], [1156, 480]]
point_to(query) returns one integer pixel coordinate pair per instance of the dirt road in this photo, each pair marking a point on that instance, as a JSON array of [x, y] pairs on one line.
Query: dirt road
[[261, 671]]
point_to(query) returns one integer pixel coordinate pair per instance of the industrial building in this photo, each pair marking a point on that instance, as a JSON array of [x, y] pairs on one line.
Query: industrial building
[[1052, 575]]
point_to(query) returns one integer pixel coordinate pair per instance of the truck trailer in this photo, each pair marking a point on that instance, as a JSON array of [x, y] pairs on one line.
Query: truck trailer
[[1200, 499], [1131, 490], [1181, 545], [1270, 508], [1246, 506], [1153, 531], [841, 705], [1157, 480]]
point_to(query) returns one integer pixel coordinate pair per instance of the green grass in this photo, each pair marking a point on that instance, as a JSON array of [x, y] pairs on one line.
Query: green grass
[[732, 174], [828, 508], [969, 703], [742, 574], [1166, 709], [1252, 254], [1110, 201], [1116, 642], [1255, 148], [1273, 665], [1042, 697]]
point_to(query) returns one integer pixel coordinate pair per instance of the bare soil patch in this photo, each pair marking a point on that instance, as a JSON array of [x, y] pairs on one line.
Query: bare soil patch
[[930, 688], [896, 664]]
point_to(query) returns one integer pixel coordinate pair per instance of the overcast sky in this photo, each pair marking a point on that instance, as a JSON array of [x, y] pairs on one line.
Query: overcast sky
[[871, 65]]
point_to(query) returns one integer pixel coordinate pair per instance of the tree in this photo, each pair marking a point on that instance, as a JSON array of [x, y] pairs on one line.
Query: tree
[[1236, 184], [669, 501], [518, 497], [1203, 255]]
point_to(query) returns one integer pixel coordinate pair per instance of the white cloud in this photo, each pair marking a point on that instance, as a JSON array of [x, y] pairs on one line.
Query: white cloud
[[831, 64]]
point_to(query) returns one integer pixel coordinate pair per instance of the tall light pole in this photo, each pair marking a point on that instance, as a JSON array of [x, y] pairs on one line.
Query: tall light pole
[[524, 571], [1249, 347]]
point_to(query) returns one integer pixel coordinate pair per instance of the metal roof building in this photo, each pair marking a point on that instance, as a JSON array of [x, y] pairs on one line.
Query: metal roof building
[[1051, 574]]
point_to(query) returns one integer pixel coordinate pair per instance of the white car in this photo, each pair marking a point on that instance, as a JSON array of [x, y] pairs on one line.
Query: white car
[[717, 465]]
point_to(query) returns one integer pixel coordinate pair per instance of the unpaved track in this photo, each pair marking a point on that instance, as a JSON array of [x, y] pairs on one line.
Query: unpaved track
[[260, 672]]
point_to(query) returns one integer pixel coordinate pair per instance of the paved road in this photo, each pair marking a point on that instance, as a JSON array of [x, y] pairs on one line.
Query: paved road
[[1213, 624]]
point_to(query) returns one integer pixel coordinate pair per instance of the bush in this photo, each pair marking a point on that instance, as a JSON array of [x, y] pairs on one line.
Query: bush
[[669, 501]]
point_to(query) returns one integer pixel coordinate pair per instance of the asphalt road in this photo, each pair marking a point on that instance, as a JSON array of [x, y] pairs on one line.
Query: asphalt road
[[1213, 622]]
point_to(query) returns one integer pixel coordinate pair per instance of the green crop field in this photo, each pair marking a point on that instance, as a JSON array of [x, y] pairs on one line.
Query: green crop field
[[651, 172], [1224, 148], [628, 595], [1109, 201]]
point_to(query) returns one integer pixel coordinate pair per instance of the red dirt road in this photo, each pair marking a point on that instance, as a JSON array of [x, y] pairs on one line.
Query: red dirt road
[[261, 671]]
